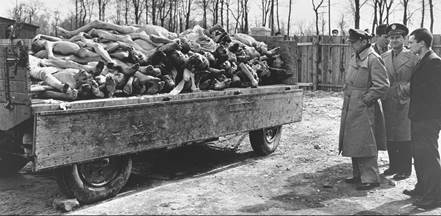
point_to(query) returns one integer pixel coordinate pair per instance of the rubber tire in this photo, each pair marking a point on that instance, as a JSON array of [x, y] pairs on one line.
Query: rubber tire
[[260, 144], [72, 185], [10, 141], [60, 175]]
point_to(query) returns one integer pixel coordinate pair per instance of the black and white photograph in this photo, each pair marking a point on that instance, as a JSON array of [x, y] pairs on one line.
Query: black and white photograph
[[220, 107]]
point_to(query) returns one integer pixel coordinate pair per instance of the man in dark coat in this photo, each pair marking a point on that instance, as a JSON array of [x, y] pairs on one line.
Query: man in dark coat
[[362, 131], [400, 63], [425, 116]]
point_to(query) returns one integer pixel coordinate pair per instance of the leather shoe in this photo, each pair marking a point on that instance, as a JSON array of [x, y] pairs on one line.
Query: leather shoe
[[368, 186], [427, 204], [401, 176], [412, 193], [353, 180], [389, 172]]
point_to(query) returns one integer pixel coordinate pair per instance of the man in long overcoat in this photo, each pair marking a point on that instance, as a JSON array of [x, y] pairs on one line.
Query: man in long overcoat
[[362, 130], [400, 63]]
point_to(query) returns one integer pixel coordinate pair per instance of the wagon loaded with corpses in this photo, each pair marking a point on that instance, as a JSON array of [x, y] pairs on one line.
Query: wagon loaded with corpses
[[135, 97]]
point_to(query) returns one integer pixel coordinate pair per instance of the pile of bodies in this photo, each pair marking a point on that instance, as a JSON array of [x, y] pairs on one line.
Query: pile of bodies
[[101, 60]]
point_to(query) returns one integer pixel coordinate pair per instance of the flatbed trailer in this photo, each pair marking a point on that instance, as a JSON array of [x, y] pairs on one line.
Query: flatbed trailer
[[89, 143]]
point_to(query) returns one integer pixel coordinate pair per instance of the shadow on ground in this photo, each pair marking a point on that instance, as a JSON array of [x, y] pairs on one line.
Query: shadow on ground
[[158, 167], [312, 190]]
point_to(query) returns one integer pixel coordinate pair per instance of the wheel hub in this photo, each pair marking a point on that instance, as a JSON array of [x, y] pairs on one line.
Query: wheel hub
[[99, 173], [270, 134]]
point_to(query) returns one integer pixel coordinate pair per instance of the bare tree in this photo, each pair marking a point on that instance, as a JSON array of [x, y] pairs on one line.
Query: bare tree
[[405, 4], [316, 7], [32, 8], [215, 11], [163, 11], [237, 16], [356, 5], [342, 25], [102, 4], [204, 4], [18, 13], [388, 4], [138, 9], [265, 6], [187, 12]]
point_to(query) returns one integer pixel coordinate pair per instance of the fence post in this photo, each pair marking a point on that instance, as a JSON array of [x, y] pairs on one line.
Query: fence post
[[315, 61]]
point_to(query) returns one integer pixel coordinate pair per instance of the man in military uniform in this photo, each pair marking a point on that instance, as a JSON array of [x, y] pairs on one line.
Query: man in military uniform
[[381, 45], [400, 63], [362, 130]]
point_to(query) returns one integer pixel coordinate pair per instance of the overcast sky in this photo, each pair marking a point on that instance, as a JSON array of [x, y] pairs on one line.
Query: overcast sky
[[302, 12]]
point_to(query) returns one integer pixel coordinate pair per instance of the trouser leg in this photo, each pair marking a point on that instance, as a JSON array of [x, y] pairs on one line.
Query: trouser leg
[[368, 169], [392, 152], [404, 157], [355, 168], [427, 160]]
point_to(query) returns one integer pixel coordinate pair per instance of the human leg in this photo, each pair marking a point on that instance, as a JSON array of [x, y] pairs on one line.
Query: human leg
[[404, 162], [392, 151], [97, 24], [427, 160]]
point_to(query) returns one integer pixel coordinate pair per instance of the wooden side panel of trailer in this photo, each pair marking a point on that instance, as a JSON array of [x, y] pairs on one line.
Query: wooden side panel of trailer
[[78, 135]]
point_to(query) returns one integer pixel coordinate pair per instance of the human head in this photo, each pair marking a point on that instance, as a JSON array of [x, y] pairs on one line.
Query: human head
[[397, 33], [381, 36], [359, 40], [38, 45], [419, 40], [334, 32]]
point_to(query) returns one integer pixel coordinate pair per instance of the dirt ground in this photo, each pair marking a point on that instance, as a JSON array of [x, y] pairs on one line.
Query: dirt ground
[[304, 176]]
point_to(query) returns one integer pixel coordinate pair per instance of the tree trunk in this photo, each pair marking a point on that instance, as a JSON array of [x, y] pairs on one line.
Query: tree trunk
[[405, 2], [272, 17], [187, 18], [423, 10], [205, 2], [222, 13], [317, 32], [146, 4], [278, 17], [228, 16], [126, 14], [431, 14], [76, 14], [374, 22], [289, 17], [357, 14], [154, 12]]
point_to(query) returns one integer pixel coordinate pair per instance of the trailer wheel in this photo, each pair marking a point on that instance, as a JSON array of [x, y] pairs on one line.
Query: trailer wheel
[[265, 141], [10, 151], [94, 181]]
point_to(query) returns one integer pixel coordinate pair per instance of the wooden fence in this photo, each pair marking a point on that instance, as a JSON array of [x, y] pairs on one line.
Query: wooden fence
[[319, 61]]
